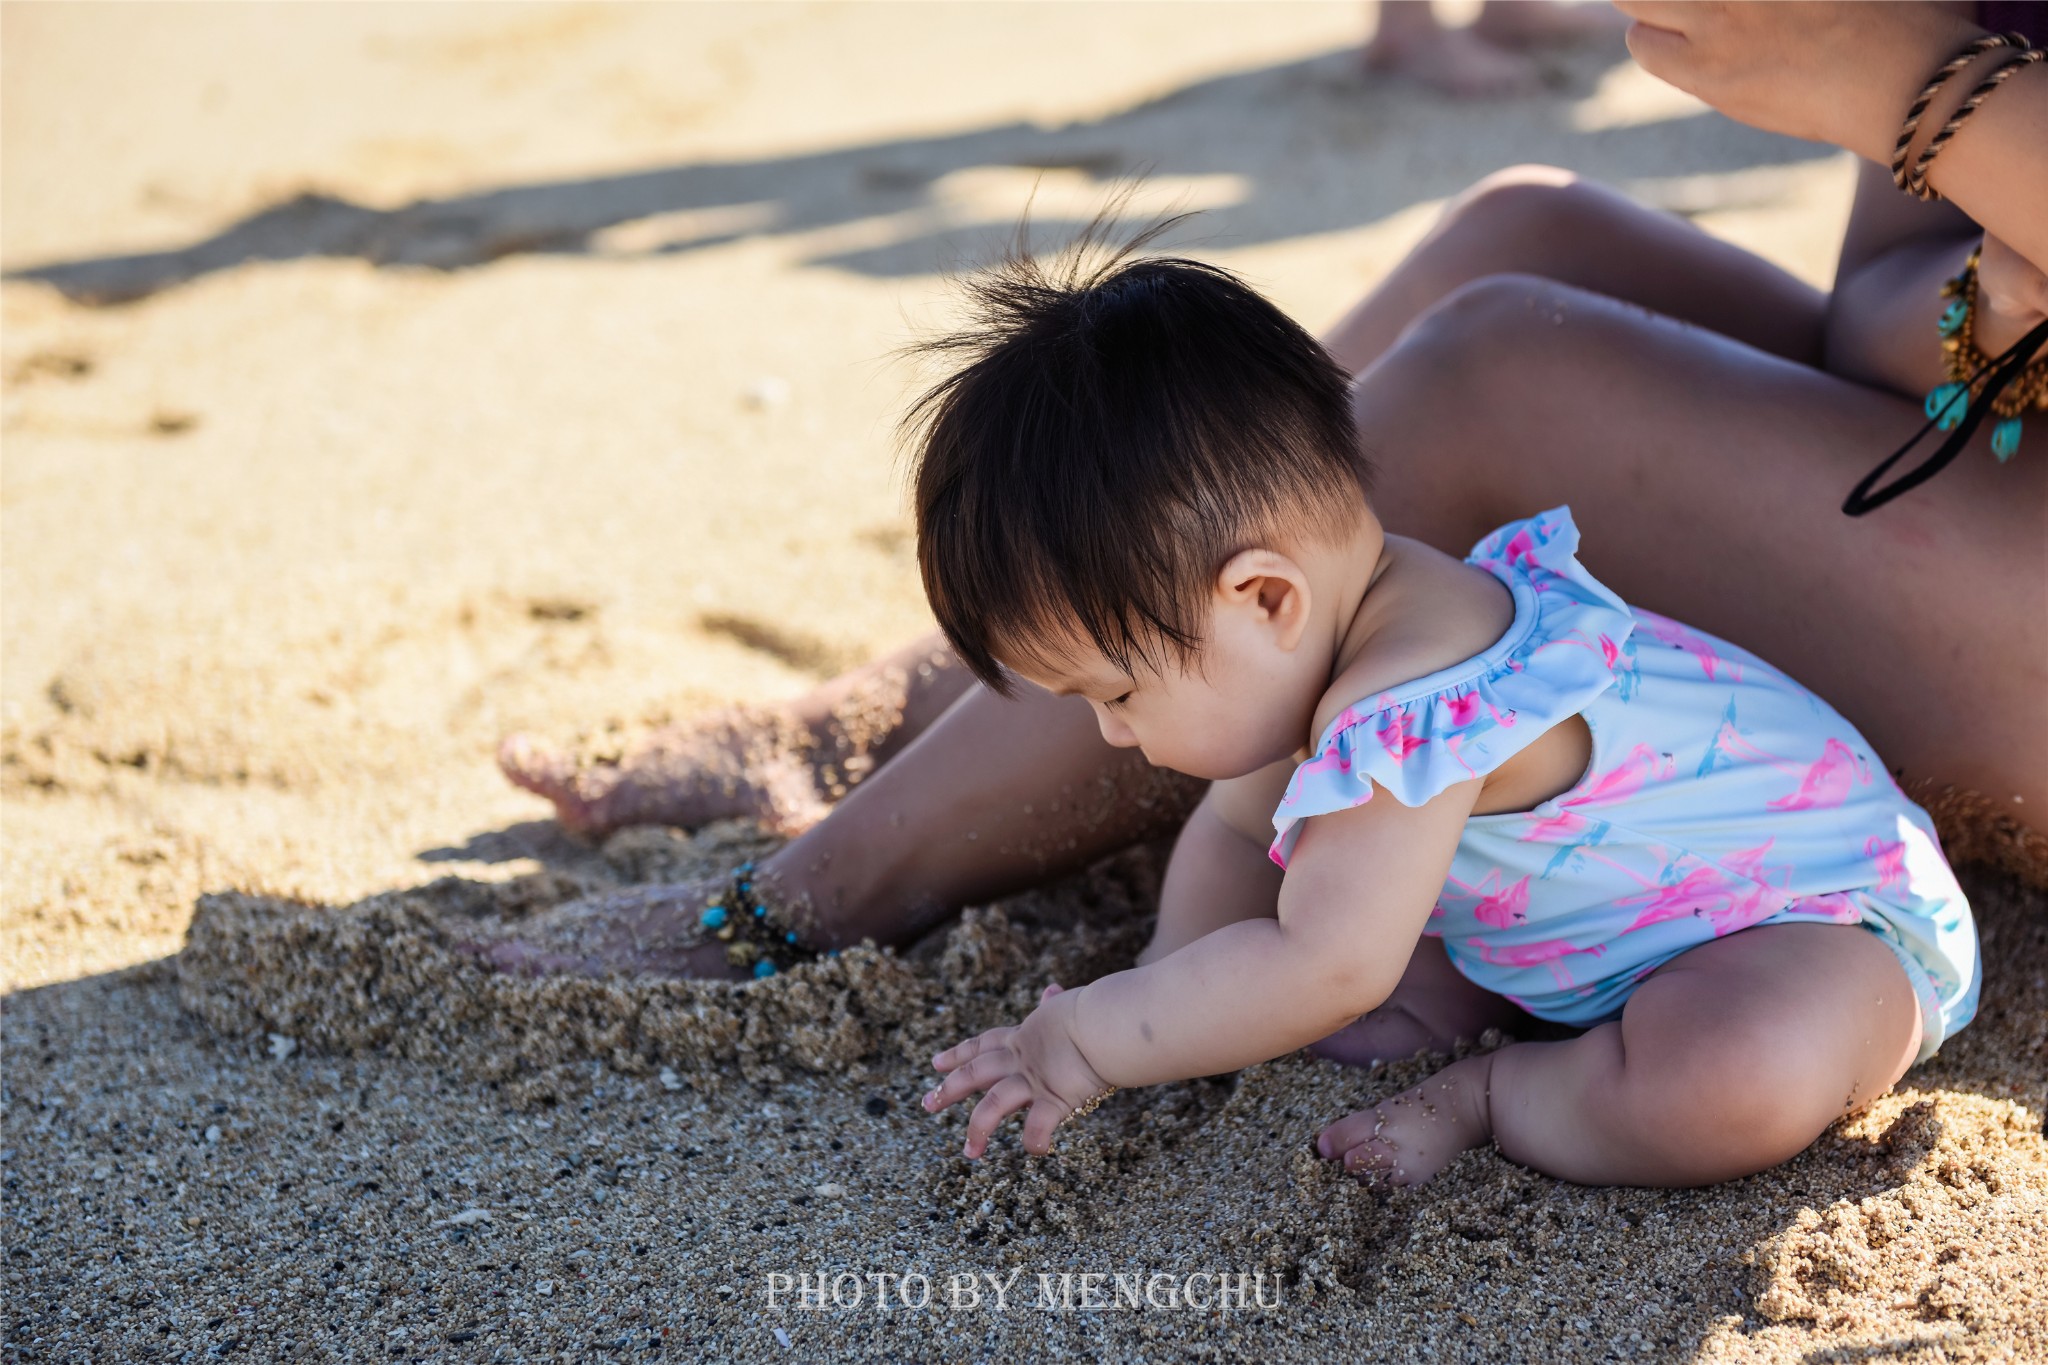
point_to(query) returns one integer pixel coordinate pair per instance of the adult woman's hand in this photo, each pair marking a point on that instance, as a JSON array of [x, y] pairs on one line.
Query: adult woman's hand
[[1829, 72], [1846, 74]]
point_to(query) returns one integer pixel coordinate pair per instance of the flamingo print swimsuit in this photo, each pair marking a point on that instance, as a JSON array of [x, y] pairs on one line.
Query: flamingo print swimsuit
[[1721, 795]]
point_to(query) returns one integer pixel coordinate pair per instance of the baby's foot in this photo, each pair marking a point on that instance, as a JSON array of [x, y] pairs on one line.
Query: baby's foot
[[1386, 1035], [1407, 1139], [1522, 24], [1430, 1018], [640, 931], [731, 766], [1456, 61]]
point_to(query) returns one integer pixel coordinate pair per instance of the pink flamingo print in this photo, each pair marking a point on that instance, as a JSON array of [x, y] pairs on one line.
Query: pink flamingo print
[[1627, 777], [1543, 953], [1501, 907], [1551, 828], [1749, 863], [1465, 708], [1712, 895], [1694, 894], [1824, 784], [1396, 740], [1669, 632], [1332, 759], [1522, 547], [1827, 783], [1890, 858], [1838, 906]]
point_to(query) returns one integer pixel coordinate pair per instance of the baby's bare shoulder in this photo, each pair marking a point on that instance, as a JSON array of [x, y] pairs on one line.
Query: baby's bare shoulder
[[1424, 613]]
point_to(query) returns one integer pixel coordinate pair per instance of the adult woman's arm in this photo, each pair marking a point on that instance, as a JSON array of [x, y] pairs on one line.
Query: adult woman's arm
[[1846, 73]]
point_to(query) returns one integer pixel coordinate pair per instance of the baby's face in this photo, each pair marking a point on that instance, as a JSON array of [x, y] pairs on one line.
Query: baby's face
[[1238, 706]]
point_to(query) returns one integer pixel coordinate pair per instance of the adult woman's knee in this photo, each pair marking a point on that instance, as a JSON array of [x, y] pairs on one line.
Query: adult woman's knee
[[1459, 341], [1516, 220], [1440, 412]]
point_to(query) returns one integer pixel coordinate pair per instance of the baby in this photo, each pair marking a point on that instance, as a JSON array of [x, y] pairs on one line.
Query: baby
[[1493, 786]]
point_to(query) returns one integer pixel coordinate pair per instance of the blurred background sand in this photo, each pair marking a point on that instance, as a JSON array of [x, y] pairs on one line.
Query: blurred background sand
[[379, 379]]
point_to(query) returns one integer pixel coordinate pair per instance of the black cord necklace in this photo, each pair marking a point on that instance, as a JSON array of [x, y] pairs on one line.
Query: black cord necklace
[[2003, 370]]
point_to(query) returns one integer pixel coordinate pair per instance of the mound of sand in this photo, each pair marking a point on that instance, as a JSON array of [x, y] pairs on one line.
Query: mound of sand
[[1918, 1221]]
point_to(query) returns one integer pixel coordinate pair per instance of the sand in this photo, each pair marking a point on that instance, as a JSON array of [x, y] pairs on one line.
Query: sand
[[378, 380]]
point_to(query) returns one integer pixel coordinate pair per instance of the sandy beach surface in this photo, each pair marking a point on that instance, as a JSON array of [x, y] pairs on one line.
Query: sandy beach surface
[[382, 379]]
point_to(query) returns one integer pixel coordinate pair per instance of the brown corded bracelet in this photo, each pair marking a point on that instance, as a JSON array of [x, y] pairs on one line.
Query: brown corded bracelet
[[1976, 48], [1916, 183]]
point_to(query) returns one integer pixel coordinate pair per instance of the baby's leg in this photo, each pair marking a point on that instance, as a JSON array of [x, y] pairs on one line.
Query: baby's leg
[[1432, 1008], [1220, 873], [1732, 1058]]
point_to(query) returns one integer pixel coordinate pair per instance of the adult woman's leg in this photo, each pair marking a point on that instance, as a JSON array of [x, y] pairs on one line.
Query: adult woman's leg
[[1538, 220], [784, 765], [1707, 478], [994, 797], [781, 765]]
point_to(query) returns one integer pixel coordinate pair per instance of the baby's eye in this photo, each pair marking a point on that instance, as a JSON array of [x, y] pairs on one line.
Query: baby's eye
[[1118, 701]]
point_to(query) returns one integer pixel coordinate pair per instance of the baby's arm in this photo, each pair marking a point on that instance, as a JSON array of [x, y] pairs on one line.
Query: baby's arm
[[1359, 888]]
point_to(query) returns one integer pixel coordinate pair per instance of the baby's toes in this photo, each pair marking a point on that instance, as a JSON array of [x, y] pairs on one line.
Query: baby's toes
[[1376, 1160], [1348, 1132], [1361, 1144]]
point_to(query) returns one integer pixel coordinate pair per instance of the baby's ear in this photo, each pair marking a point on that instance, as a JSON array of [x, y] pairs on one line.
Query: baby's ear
[[1272, 585]]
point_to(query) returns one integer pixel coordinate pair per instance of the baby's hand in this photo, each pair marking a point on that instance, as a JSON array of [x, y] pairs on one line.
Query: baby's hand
[[1035, 1065]]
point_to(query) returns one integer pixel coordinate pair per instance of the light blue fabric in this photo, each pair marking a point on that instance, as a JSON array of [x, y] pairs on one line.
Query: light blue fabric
[[1721, 795]]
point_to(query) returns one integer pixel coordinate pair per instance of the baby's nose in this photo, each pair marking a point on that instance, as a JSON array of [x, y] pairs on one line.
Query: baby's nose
[[1114, 732]]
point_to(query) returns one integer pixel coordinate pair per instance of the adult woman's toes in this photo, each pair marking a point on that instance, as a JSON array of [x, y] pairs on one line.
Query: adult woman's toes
[[528, 763], [533, 765], [1458, 63]]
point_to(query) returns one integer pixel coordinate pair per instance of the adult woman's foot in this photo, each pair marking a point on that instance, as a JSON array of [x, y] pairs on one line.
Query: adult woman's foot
[[638, 931], [1521, 24], [1456, 61], [739, 765], [780, 766]]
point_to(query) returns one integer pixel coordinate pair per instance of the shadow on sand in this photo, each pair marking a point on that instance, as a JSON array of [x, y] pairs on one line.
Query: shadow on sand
[[1311, 144]]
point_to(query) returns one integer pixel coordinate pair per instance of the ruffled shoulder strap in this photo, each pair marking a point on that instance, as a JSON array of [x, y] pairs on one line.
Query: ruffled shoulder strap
[[1566, 647]]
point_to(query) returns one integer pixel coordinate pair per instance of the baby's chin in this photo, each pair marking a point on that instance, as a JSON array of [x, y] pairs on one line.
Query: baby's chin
[[1213, 768]]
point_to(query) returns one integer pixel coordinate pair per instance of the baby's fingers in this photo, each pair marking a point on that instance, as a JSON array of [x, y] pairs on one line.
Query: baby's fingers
[[962, 1053], [1009, 1095], [1039, 1124], [981, 1073]]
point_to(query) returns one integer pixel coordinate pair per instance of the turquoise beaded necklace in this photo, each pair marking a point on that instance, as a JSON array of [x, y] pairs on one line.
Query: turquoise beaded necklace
[[1948, 402]]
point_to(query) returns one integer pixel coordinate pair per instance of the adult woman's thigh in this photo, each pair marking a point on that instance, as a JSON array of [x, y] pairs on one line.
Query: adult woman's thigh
[[1707, 478]]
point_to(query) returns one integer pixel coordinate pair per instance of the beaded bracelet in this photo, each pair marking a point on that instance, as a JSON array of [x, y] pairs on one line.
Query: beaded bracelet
[[1916, 182], [1089, 1105], [756, 936]]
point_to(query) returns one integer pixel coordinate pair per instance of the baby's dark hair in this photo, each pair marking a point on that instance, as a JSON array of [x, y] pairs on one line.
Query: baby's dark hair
[[1118, 429]]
